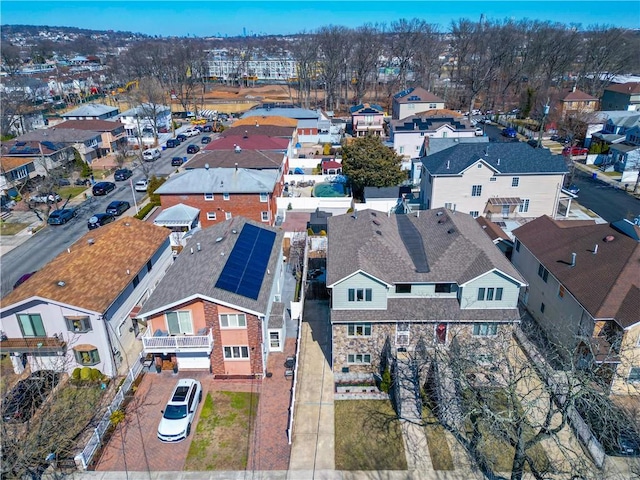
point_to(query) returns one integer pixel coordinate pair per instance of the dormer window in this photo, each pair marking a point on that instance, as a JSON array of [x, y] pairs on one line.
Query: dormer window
[[403, 288]]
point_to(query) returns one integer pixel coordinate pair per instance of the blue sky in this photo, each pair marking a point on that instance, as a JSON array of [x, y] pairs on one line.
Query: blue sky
[[233, 17]]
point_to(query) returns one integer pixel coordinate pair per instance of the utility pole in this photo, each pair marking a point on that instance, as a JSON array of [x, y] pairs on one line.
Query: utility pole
[[544, 117]]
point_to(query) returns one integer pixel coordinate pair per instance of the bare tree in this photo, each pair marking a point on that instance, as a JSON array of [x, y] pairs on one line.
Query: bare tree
[[305, 52], [364, 57], [332, 42], [426, 59]]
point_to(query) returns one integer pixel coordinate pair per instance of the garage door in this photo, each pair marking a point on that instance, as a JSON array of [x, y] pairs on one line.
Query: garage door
[[193, 362]]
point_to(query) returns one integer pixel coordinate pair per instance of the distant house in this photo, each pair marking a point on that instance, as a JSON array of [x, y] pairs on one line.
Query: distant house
[[87, 142], [75, 313], [143, 121], [318, 221], [614, 127], [331, 167], [224, 193], [497, 180], [576, 102], [280, 110], [14, 171], [43, 156], [386, 199], [241, 158], [91, 111], [367, 119], [218, 308], [112, 133], [407, 283], [625, 158], [414, 101], [623, 96], [584, 291]]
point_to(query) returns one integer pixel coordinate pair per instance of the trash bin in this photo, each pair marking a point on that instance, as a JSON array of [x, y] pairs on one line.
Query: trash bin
[[164, 147], [594, 175]]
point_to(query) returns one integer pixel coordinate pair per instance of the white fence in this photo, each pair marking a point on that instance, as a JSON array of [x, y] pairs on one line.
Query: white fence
[[311, 203], [83, 459]]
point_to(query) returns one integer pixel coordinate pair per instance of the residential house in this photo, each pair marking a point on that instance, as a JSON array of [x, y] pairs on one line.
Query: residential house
[[367, 119], [414, 101], [244, 141], [14, 171], [146, 120], [623, 96], [75, 311], [238, 157], [331, 167], [254, 126], [386, 199], [219, 307], [400, 283], [181, 220], [223, 193], [497, 180], [38, 157], [576, 103], [318, 221], [286, 110], [584, 292], [91, 111], [625, 158], [613, 128], [112, 133], [88, 143]]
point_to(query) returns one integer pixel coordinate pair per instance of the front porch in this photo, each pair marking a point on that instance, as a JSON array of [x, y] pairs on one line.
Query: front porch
[[160, 342]]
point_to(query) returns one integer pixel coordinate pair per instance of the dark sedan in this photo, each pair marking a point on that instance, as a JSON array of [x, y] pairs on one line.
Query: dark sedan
[[205, 140], [122, 174], [118, 207], [103, 188], [61, 216], [509, 132], [193, 149], [100, 219]]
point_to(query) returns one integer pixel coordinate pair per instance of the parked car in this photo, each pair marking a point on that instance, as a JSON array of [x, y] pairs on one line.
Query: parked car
[[173, 143], [99, 219], [117, 207], [478, 132], [61, 216], [22, 279], [102, 188], [63, 182], [28, 395], [207, 128], [574, 151], [50, 197], [533, 143], [182, 137], [204, 140], [141, 185], [122, 174], [82, 182], [573, 188], [191, 132], [176, 161], [175, 424], [151, 155], [509, 132], [193, 148]]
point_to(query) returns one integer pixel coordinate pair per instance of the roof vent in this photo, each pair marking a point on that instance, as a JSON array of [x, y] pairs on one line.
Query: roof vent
[[498, 161], [448, 164], [206, 166], [91, 241], [234, 231], [378, 232], [439, 214], [451, 230], [61, 283], [609, 238], [573, 259], [219, 239], [237, 149], [246, 134]]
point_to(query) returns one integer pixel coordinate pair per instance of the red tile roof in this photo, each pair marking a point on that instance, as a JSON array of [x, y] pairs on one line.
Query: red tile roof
[[92, 125], [577, 96], [630, 88], [257, 159]]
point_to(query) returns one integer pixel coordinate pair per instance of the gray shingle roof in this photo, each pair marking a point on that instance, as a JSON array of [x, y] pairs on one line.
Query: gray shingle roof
[[422, 123], [417, 94], [455, 246], [506, 158], [64, 135], [178, 214], [90, 110], [296, 112], [196, 274], [220, 180]]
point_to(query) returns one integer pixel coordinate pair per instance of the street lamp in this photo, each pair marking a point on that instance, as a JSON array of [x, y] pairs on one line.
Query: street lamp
[[544, 117]]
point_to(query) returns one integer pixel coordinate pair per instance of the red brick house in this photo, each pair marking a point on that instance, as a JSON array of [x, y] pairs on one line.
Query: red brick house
[[224, 193], [218, 307]]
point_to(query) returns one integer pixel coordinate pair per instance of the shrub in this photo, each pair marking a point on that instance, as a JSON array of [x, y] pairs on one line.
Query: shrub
[[326, 149], [323, 233], [385, 384], [144, 211], [95, 375], [117, 416], [310, 232], [289, 207], [85, 373], [75, 375]]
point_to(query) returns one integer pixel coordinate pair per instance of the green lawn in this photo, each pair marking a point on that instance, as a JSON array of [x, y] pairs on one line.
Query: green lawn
[[367, 436], [221, 439], [11, 228], [72, 191], [437, 441]]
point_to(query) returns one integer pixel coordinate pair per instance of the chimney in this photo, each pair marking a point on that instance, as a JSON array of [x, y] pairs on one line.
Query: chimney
[[237, 149], [246, 134], [595, 249], [573, 259], [206, 166], [236, 166], [198, 246]]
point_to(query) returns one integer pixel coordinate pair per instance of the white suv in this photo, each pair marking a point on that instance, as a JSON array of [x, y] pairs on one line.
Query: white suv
[[191, 132], [180, 411], [151, 155]]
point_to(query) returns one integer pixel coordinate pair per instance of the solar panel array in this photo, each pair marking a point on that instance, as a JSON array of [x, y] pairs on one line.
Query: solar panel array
[[245, 268]]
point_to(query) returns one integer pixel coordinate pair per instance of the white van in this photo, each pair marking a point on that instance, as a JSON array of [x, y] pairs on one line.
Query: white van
[[151, 155]]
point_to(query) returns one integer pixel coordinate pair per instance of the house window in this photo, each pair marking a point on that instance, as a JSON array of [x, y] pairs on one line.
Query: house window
[[401, 150], [515, 181], [179, 323], [78, 324], [476, 190], [136, 281], [634, 374], [403, 288], [492, 179], [233, 320], [236, 353], [517, 245], [363, 358], [31, 325], [225, 196], [490, 292], [450, 206], [542, 307], [360, 294], [402, 333], [274, 339], [561, 291], [208, 196], [432, 105], [524, 206], [444, 287], [481, 293], [441, 333], [543, 273], [264, 197], [211, 215], [485, 329], [265, 216], [87, 355], [474, 213], [227, 215], [149, 266], [499, 293], [359, 330]]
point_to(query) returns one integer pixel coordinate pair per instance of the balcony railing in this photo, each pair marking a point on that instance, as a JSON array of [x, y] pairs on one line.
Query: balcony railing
[[161, 342], [32, 345]]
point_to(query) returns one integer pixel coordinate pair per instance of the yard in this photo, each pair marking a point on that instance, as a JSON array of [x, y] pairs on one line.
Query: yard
[[368, 436], [11, 228], [221, 440], [437, 442]]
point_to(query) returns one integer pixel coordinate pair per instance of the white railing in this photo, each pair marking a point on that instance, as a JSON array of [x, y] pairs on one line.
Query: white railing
[[83, 459], [151, 344]]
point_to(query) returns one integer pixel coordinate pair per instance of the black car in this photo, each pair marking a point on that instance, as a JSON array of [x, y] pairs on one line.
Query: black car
[[173, 143], [82, 182], [207, 128], [193, 148], [534, 143], [100, 219], [61, 216], [182, 137], [205, 140], [63, 182], [176, 161], [103, 188], [26, 397], [118, 207], [122, 174]]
